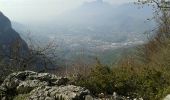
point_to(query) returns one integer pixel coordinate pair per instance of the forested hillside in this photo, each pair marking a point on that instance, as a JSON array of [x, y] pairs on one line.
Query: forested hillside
[[140, 72]]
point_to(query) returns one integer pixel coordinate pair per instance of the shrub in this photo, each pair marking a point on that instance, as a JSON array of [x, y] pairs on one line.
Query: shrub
[[21, 97], [98, 80], [147, 82], [2, 94], [150, 81]]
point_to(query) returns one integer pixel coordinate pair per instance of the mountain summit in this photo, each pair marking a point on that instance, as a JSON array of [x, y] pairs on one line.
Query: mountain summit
[[4, 23]]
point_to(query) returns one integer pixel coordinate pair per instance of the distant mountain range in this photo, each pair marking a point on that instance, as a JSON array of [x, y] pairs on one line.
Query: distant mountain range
[[105, 18], [93, 28], [97, 19]]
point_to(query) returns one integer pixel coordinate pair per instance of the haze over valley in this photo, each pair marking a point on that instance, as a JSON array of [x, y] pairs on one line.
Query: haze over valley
[[84, 49], [92, 28]]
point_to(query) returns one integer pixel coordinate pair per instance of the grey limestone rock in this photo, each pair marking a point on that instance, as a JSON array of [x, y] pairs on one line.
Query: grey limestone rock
[[41, 86]]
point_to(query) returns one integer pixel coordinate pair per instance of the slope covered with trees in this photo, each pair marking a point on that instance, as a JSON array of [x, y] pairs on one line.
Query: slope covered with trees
[[17, 55], [145, 73]]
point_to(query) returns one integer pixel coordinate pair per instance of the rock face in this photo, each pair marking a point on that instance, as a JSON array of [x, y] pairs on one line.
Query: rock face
[[68, 92], [167, 97], [40, 86], [9, 36]]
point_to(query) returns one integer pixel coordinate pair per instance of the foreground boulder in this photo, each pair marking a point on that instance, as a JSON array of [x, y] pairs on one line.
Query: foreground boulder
[[40, 86], [68, 92], [167, 97]]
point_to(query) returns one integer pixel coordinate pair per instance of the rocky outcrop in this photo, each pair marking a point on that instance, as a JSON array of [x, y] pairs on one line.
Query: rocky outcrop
[[68, 92], [29, 85], [40, 86], [167, 97]]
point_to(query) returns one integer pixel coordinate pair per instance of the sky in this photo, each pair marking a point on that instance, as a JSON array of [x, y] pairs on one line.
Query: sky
[[34, 10]]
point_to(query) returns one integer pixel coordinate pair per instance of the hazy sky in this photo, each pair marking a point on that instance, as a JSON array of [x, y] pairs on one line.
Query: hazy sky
[[30, 10]]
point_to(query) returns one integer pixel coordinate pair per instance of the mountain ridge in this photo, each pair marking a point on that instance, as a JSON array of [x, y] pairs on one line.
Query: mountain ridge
[[9, 37]]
